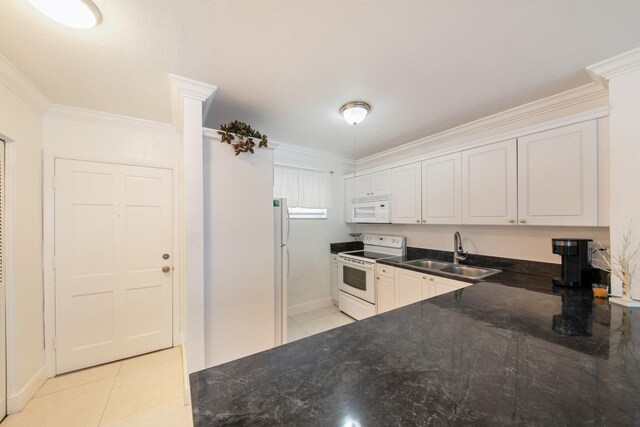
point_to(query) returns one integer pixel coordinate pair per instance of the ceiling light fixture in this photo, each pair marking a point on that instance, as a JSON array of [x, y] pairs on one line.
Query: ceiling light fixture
[[355, 112], [72, 13]]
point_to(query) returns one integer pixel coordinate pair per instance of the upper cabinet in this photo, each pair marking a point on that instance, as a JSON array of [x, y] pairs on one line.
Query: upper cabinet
[[405, 194], [546, 178], [558, 176], [490, 184], [442, 190], [372, 184]]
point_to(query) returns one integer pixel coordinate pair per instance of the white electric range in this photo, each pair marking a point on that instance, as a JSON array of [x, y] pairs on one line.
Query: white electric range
[[356, 273]]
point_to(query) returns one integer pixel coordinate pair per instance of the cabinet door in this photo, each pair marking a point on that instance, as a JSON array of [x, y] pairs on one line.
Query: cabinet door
[[381, 183], [386, 293], [489, 184], [362, 186], [334, 277], [442, 190], [558, 176], [408, 287], [428, 287], [405, 194], [348, 196], [443, 285]]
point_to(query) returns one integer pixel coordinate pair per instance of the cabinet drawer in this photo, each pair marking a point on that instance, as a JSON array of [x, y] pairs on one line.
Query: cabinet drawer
[[385, 270]]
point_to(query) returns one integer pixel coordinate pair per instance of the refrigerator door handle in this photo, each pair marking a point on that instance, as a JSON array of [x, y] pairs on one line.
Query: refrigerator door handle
[[288, 263]]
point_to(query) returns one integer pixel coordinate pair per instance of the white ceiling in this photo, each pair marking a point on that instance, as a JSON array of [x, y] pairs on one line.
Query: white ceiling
[[286, 66]]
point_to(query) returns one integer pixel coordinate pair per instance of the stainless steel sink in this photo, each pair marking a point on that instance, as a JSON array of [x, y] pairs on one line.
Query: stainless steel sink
[[427, 263], [470, 272]]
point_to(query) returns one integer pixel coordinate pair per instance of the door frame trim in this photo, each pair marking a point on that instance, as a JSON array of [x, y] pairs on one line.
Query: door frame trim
[[48, 242]]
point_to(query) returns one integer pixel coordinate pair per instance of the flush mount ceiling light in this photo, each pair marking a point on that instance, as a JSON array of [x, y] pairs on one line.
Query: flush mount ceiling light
[[355, 112], [72, 13]]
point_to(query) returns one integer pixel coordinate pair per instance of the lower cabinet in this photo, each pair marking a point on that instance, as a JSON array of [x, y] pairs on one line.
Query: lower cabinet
[[412, 286], [385, 288]]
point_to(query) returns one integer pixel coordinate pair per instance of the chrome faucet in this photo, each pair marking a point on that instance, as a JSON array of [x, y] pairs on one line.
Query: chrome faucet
[[458, 253]]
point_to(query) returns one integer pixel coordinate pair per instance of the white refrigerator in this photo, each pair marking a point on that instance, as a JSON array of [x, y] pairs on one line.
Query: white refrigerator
[[281, 256]]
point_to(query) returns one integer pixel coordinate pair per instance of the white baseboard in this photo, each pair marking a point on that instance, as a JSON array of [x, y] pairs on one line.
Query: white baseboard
[[308, 306], [19, 400]]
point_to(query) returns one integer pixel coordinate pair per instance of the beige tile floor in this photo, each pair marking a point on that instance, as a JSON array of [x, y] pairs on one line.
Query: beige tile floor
[[142, 391], [313, 322]]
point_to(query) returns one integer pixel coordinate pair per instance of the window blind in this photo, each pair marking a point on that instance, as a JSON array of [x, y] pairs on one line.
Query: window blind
[[303, 188]]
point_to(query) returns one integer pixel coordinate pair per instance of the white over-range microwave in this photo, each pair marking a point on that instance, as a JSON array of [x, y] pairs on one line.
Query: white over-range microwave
[[375, 209]]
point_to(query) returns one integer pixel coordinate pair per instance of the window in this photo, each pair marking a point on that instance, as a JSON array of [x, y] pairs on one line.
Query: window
[[306, 213], [308, 192]]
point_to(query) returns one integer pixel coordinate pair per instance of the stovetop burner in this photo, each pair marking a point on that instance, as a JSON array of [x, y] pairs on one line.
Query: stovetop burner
[[368, 254]]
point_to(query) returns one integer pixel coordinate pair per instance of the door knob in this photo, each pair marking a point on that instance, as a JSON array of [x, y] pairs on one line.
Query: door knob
[[166, 269]]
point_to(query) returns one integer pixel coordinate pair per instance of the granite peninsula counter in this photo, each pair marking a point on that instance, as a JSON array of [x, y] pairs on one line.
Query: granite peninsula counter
[[515, 353]]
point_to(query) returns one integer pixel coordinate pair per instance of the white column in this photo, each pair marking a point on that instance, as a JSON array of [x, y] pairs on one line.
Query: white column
[[188, 101], [622, 74]]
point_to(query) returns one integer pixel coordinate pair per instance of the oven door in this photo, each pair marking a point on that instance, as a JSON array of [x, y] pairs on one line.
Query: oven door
[[357, 278]]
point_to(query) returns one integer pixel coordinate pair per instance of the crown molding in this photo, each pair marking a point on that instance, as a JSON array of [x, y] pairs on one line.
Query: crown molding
[[19, 84], [65, 112], [621, 64], [192, 89], [533, 109]]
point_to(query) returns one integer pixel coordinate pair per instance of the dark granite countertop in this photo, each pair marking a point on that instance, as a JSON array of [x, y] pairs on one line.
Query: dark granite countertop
[[346, 247], [516, 353]]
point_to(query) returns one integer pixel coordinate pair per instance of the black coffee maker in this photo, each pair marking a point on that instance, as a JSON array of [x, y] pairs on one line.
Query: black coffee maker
[[576, 266]]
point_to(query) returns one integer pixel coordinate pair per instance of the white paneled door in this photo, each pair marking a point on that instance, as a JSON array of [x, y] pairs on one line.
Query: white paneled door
[[113, 262]]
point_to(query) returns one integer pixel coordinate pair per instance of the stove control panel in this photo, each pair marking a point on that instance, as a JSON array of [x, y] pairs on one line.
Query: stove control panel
[[397, 242]]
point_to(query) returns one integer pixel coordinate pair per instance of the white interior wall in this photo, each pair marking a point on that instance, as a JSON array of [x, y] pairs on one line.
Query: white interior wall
[[529, 243], [88, 135], [22, 126], [625, 167], [101, 138], [310, 274], [239, 298]]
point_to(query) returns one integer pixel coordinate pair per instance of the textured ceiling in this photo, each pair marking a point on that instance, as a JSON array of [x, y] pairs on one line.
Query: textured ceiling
[[286, 66]]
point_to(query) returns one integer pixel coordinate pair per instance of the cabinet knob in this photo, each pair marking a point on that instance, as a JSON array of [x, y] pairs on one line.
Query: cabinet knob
[[522, 221], [378, 277], [418, 221], [424, 221], [424, 277], [432, 279], [511, 221], [384, 271]]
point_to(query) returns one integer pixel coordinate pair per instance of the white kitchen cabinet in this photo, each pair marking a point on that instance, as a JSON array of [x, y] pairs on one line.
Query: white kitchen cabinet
[[372, 184], [348, 196], [386, 293], [412, 286], [385, 288], [442, 285], [490, 184], [408, 287], [442, 190], [558, 176], [405, 194], [334, 278]]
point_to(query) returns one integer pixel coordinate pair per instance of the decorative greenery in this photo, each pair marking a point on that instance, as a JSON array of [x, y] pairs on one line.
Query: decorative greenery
[[620, 263], [245, 136]]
